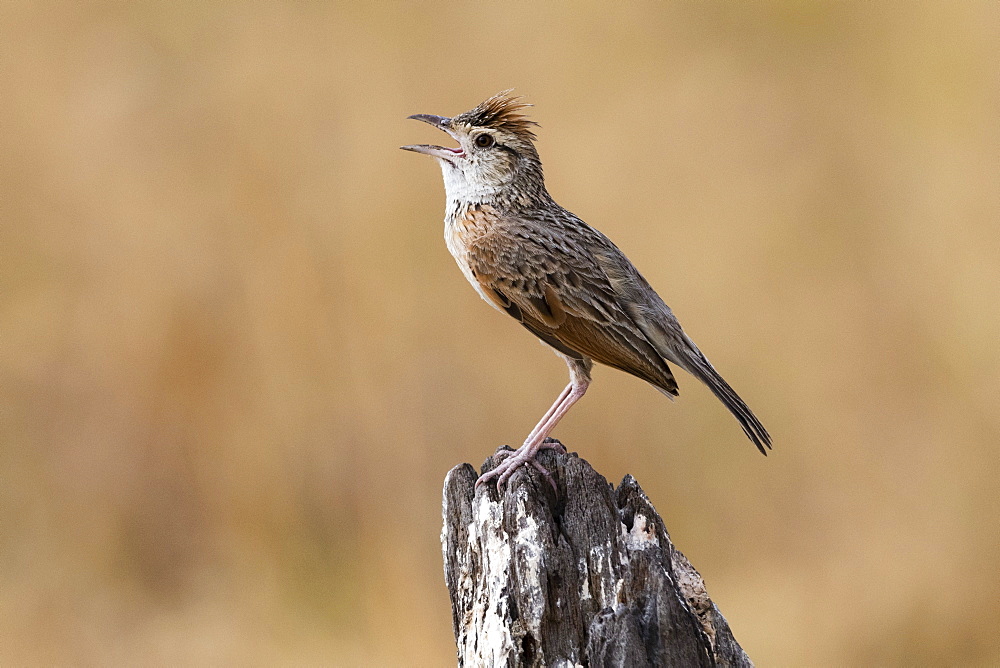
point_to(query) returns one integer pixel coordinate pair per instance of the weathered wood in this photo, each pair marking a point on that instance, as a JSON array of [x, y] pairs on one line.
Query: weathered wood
[[587, 576]]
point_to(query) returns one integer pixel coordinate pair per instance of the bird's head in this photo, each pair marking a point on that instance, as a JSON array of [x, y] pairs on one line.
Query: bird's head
[[495, 157]]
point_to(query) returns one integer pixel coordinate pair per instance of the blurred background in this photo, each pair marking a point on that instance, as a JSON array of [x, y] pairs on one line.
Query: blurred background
[[237, 361]]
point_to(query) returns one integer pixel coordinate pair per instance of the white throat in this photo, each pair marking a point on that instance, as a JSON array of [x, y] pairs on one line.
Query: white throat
[[458, 187]]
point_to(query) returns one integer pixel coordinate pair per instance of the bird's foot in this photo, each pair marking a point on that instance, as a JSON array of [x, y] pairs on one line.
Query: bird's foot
[[509, 461], [548, 444]]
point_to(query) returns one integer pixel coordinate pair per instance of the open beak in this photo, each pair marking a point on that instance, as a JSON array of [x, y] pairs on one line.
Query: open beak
[[443, 152]]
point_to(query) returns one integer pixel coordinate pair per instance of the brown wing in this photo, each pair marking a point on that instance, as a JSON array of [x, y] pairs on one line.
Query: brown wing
[[559, 292]]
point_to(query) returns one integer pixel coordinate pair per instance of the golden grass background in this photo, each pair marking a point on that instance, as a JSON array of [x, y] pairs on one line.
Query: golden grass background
[[236, 360]]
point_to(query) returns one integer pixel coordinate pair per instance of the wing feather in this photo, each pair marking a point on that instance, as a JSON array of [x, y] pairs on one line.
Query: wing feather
[[567, 300]]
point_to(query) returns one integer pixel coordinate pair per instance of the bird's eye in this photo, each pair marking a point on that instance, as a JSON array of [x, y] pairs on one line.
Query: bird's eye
[[484, 141]]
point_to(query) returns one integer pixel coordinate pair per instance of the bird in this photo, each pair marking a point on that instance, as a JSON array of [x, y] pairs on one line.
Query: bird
[[562, 279]]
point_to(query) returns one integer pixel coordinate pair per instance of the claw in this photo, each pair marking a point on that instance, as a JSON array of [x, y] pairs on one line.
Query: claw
[[548, 476], [553, 444]]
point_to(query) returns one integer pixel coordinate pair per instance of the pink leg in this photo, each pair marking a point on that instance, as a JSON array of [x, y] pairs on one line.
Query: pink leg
[[579, 372], [548, 414]]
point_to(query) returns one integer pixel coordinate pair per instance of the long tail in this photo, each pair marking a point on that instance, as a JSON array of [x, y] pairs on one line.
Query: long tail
[[699, 366]]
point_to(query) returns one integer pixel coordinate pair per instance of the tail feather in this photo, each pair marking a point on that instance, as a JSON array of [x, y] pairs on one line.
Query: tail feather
[[660, 328], [755, 431]]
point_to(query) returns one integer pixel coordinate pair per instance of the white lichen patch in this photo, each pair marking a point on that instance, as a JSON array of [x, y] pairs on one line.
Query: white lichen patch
[[527, 545], [602, 573], [584, 579], [486, 635], [642, 535], [619, 591]]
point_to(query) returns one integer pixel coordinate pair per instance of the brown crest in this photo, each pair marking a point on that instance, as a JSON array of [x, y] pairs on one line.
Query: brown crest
[[500, 112]]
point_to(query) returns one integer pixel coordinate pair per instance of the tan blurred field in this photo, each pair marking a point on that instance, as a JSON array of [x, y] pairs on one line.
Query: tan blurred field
[[236, 359]]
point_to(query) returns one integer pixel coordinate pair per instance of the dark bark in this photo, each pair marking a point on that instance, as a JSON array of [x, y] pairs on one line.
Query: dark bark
[[586, 576]]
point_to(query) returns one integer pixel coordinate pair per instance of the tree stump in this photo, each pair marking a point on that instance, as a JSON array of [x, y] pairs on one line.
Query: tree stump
[[583, 576]]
